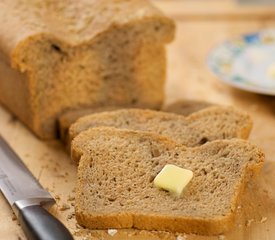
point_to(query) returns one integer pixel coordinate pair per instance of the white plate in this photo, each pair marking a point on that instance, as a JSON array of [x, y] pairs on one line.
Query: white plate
[[247, 62]]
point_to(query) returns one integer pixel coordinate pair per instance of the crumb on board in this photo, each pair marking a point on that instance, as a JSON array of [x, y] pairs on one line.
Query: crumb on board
[[71, 198], [60, 175], [248, 222], [64, 207], [57, 197], [70, 216], [78, 226], [112, 232], [180, 237], [132, 233], [221, 237], [263, 220]]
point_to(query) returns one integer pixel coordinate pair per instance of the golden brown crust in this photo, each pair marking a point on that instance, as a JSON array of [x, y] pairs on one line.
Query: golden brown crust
[[153, 222], [58, 19]]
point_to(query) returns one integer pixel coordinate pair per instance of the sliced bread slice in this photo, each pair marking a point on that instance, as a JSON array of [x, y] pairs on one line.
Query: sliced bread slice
[[71, 116], [115, 181], [203, 126], [187, 107], [183, 107]]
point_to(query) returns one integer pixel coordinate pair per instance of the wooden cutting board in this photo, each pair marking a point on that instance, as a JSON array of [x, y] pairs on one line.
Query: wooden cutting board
[[198, 31]]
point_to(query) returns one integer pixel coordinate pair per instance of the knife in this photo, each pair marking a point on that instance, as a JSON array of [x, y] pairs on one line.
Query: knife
[[26, 197]]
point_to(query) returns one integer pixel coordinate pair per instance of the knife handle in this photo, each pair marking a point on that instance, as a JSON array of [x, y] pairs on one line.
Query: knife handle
[[39, 224]]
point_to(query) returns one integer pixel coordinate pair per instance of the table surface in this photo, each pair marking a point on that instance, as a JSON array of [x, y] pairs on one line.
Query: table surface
[[200, 26]]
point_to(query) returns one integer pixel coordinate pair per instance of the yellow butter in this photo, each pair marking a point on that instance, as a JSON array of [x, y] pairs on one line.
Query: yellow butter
[[173, 179]]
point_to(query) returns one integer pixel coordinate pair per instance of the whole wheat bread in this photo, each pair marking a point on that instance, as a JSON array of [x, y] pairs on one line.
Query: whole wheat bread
[[71, 116], [183, 107], [186, 107], [115, 181], [60, 55], [200, 127]]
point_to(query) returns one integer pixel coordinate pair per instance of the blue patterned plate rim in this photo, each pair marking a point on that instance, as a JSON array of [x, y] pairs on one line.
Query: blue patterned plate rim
[[232, 61]]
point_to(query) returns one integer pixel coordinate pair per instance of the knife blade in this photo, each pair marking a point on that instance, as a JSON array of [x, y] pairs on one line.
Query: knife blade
[[27, 198]]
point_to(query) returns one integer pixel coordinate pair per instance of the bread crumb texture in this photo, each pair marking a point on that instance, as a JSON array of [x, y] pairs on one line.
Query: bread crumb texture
[[116, 172]]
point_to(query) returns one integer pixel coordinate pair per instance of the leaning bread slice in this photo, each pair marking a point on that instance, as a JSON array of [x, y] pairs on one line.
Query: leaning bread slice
[[203, 126], [116, 172], [187, 107], [183, 107], [68, 118]]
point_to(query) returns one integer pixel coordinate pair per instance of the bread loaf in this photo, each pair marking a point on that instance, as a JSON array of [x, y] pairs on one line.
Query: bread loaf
[[115, 181], [194, 130], [60, 55]]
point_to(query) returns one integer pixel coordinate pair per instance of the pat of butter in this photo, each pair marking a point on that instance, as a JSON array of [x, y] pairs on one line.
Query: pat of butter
[[173, 179]]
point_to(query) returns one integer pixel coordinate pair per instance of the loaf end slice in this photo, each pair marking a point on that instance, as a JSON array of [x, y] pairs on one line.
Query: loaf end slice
[[115, 181]]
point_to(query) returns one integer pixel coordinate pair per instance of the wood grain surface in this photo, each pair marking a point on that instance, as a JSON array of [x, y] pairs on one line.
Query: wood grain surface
[[188, 78]]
